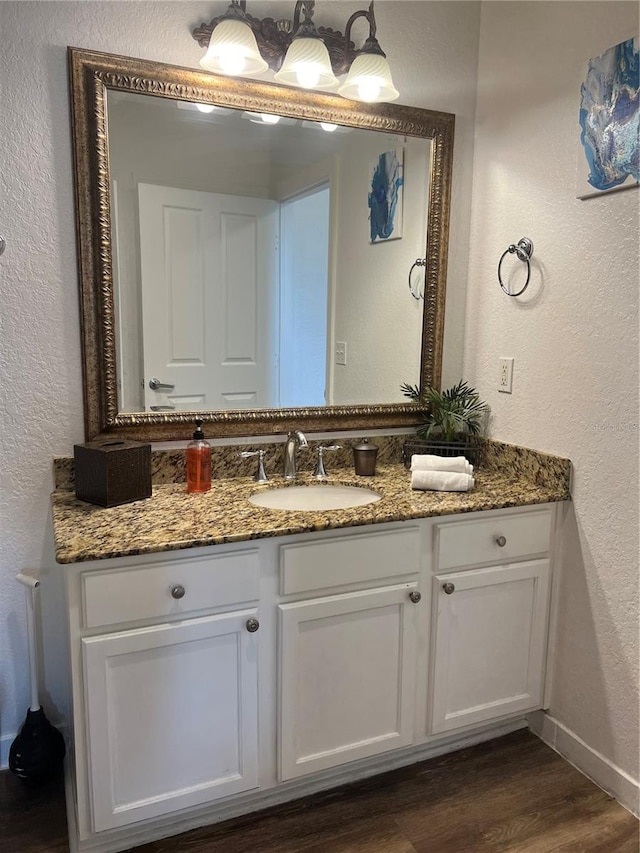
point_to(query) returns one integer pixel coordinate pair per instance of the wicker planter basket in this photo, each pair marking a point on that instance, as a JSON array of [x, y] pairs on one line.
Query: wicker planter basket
[[471, 448]]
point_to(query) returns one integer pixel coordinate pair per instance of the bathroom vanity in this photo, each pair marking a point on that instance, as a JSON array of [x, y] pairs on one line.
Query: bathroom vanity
[[315, 648], [224, 656]]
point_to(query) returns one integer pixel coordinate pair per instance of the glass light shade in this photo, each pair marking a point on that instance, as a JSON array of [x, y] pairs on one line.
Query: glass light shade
[[233, 50], [369, 79], [307, 64]]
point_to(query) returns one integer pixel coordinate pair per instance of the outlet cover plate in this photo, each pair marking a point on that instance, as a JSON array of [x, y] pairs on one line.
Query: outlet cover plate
[[505, 375]]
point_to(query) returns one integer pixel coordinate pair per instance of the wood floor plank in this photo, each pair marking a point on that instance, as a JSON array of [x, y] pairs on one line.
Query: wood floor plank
[[534, 779], [32, 820], [511, 795], [578, 821], [377, 836], [307, 826]]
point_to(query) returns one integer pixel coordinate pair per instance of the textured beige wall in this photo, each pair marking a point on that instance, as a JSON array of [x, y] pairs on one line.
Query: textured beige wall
[[574, 337], [433, 48]]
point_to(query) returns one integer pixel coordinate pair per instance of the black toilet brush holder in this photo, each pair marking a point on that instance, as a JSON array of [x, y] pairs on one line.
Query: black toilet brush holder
[[37, 752]]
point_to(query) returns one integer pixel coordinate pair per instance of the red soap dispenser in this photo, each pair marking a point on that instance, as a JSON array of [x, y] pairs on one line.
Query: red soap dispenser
[[198, 462]]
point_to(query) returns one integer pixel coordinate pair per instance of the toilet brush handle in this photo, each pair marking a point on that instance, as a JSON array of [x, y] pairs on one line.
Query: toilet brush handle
[[31, 584]]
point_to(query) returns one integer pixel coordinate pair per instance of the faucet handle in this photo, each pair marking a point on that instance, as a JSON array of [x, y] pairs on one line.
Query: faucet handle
[[320, 472], [260, 475]]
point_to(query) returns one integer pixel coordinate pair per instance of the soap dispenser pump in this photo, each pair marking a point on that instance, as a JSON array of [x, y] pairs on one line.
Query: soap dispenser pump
[[198, 462]]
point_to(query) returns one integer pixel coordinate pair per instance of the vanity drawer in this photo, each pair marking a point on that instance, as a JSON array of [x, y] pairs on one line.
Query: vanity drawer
[[131, 595], [349, 559], [492, 539]]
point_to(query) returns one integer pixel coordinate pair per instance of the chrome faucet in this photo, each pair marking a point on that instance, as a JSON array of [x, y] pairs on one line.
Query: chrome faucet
[[295, 439]]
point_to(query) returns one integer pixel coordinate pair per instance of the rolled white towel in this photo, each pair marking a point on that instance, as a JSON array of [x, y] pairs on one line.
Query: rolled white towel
[[441, 481], [428, 462]]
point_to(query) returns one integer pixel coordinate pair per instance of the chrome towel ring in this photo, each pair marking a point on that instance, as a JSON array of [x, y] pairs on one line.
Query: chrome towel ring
[[523, 251], [415, 292]]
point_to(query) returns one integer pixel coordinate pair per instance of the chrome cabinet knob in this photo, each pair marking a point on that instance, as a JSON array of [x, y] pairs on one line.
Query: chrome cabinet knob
[[501, 541], [415, 596], [177, 591], [252, 625], [448, 588]]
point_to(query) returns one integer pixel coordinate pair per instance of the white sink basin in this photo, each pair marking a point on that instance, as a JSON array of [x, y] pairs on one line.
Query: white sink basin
[[313, 497]]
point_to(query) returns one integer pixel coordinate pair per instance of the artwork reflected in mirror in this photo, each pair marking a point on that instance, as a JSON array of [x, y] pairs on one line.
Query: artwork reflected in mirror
[[261, 263]]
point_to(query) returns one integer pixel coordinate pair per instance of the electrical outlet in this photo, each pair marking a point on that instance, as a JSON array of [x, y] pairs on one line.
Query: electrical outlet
[[505, 376], [341, 352]]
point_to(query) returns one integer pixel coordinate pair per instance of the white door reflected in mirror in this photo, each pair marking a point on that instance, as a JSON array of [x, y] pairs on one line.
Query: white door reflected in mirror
[[209, 298]]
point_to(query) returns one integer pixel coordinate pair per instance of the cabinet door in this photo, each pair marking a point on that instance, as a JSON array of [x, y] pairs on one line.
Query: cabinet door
[[347, 673], [171, 716], [489, 642]]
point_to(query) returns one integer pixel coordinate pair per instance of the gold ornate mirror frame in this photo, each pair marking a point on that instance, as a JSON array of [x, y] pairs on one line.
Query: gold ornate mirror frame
[[91, 75]]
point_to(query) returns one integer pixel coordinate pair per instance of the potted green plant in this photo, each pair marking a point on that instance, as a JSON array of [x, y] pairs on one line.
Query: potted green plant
[[452, 421]]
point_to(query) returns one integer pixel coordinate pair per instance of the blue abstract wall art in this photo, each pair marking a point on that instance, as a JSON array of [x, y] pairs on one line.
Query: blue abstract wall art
[[609, 121], [385, 197]]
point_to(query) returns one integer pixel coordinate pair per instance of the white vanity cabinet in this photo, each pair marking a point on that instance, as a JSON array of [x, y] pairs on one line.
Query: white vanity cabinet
[[489, 630], [172, 713], [348, 658], [170, 706], [215, 681]]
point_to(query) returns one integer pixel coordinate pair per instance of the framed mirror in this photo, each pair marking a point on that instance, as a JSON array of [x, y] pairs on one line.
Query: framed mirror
[[233, 268]]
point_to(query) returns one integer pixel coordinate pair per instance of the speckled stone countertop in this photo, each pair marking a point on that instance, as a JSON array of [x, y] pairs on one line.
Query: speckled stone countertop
[[173, 520]]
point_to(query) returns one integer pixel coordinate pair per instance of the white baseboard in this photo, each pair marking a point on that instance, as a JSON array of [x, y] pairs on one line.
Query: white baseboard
[[5, 746], [612, 779]]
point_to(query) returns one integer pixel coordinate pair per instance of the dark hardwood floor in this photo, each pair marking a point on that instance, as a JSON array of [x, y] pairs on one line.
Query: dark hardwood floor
[[512, 794]]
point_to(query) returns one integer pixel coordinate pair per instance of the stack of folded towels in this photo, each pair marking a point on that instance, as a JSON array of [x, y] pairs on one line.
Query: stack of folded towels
[[441, 473]]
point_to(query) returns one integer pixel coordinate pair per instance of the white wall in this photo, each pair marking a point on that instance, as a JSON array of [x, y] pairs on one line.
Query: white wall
[[574, 337], [433, 49]]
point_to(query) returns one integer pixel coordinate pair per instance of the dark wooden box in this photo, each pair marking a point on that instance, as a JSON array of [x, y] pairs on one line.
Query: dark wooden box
[[112, 472]]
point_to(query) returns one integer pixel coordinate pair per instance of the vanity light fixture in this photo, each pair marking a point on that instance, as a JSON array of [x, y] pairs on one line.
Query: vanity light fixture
[[300, 54], [233, 49], [306, 62], [369, 77]]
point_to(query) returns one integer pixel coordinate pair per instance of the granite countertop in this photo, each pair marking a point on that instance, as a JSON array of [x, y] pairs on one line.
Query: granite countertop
[[173, 520]]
